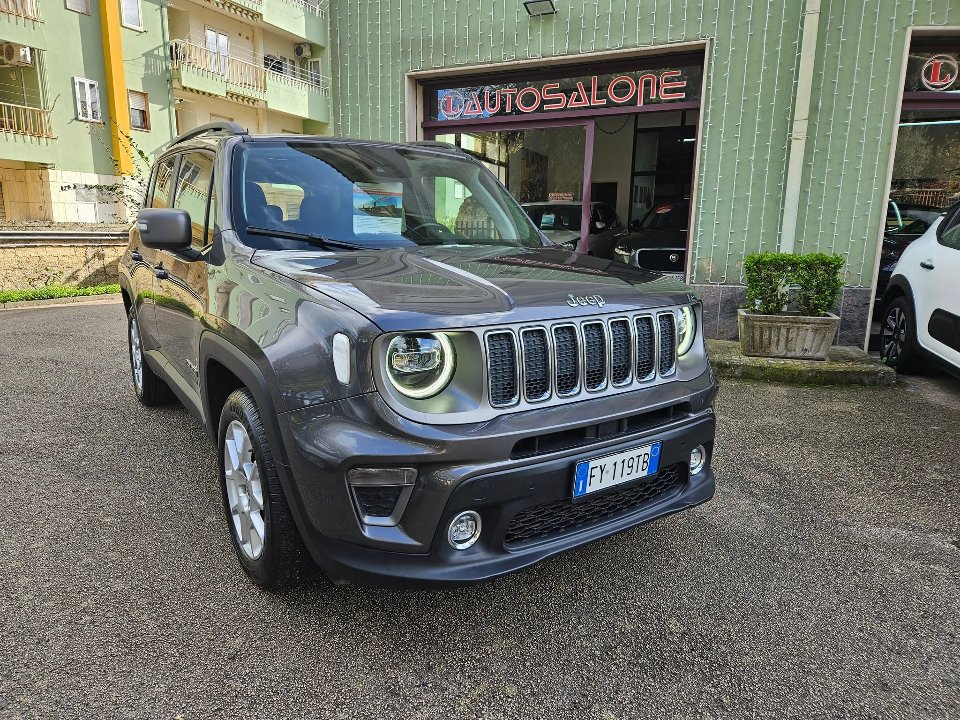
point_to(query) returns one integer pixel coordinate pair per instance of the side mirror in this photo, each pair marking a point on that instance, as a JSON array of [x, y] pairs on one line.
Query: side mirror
[[165, 228], [600, 225]]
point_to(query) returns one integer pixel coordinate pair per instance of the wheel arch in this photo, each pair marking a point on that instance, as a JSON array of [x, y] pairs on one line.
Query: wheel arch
[[898, 287]]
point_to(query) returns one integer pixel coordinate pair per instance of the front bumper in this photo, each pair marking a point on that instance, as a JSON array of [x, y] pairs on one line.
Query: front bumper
[[524, 502]]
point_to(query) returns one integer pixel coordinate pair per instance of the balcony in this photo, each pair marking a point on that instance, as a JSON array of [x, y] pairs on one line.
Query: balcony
[[26, 133], [259, 81], [308, 98], [303, 18], [20, 23]]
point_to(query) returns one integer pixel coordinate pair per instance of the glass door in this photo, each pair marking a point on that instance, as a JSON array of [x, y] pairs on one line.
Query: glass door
[[547, 169]]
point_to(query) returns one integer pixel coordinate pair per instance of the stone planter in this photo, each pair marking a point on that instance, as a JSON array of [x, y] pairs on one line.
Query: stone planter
[[787, 336]]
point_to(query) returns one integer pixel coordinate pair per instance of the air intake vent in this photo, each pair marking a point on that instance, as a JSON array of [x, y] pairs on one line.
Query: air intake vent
[[594, 355], [668, 344], [502, 369], [536, 364], [567, 350], [620, 352], [645, 348]]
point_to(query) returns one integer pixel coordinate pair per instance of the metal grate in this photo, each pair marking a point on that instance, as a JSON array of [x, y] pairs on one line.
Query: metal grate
[[595, 355], [620, 352], [502, 368], [555, 518], [567, 359], [645, 348], [536, 364], [668, 344], [377, 500]]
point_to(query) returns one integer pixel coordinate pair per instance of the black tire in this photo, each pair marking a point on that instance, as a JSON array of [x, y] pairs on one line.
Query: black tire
[[282, 560], [151, 390], [898, 336]]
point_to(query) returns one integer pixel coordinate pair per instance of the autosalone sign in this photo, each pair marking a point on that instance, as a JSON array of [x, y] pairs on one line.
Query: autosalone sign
[[587, 93], [933, 72]]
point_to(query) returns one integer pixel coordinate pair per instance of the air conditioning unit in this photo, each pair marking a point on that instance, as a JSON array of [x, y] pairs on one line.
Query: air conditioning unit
[[14, 55], [303, 50]]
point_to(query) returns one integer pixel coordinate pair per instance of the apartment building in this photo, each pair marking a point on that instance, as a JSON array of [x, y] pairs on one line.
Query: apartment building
[[92, 90], [257, 62]]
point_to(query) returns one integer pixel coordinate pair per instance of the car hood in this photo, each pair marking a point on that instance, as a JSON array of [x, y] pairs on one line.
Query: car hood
[[562, 237], [639, 239], [424, 288]]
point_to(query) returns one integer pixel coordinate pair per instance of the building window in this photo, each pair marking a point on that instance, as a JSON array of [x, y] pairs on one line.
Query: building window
[[88, 99], [130, 14], [80, 6], [139, 110]]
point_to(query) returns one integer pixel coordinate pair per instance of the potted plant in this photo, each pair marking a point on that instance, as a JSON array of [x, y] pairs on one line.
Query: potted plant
[[789, 297]]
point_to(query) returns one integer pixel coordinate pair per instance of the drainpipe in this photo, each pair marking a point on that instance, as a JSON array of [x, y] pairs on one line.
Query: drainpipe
[[165, 37], [116, 84], [801, 118]]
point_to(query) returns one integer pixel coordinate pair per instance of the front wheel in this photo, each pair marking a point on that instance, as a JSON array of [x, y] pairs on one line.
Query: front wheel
[[898, 336], [265, 537]]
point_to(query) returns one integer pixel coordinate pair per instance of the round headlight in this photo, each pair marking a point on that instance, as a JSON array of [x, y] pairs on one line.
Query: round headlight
[[420, 366], [686, 330]]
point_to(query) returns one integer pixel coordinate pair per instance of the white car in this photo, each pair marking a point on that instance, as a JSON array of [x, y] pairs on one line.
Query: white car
[[921, 307]]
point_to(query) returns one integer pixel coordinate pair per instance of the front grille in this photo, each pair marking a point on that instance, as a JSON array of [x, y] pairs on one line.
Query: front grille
[[668, 344], [567, 358], [377, 500], [595, 355], [502, 368], [555, 518], [536, 366]]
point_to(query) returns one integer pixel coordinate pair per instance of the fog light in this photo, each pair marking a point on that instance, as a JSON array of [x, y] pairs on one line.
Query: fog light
[[698, 460], [464, 530]]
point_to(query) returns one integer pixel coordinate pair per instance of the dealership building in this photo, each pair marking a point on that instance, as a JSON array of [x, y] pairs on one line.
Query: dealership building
[[811, 126]]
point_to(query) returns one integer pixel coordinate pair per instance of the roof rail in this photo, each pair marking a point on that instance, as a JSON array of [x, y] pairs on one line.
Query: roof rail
[[224, 126]]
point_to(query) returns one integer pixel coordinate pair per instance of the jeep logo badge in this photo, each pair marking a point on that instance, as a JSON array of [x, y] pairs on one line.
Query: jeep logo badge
[[578, 300]]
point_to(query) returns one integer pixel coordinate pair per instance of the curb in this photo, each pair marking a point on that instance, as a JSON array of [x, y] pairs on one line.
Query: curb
[[846, 366], [102, 299]]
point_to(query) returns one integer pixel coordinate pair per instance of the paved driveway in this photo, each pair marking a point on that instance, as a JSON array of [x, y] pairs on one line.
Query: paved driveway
[[823, 580]]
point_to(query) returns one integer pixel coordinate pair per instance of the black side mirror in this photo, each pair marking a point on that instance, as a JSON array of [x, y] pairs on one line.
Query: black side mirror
[[165, 228]]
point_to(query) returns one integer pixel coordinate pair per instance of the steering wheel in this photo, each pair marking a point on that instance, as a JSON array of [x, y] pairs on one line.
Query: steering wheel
[[440, 230]]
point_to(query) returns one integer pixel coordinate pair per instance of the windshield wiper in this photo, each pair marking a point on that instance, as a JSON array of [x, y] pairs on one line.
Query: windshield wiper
[[312, 238]]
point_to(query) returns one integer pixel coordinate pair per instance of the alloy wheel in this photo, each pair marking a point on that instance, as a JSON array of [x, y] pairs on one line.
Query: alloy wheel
[[894, 334], [244, 490], [136, 355]]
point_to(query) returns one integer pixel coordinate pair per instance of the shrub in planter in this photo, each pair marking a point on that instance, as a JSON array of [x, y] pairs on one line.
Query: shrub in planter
[[788, 305]]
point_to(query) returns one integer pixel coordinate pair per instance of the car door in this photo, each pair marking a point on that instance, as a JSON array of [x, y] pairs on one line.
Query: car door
[[182, 289], [936, 293], [143, 260]]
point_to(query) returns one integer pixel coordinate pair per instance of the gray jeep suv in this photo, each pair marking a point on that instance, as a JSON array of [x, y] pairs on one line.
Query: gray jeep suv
[[395, 398]]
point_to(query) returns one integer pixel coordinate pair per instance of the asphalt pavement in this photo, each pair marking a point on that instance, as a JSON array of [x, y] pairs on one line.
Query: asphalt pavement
[[823, 581]]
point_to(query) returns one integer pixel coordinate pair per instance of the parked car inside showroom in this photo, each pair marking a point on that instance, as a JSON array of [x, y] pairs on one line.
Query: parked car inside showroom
[[659, 240], [921, 307], [561, 221], [392, 400]]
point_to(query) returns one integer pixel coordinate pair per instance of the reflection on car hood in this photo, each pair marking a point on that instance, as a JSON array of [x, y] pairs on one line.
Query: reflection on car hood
[[449, 286], [650, 238]]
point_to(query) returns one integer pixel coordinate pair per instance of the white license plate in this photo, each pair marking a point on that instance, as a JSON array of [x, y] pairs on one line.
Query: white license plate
[[610, 470]]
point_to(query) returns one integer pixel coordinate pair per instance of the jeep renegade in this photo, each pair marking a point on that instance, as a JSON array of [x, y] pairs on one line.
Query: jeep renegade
[[406, 381]]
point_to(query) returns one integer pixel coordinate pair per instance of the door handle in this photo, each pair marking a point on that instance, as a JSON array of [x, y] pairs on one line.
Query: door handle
[[926, 264], [136, 256], [162, 274]]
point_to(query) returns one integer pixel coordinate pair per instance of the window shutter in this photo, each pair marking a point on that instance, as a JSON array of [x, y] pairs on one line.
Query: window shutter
[[138, 101], [131, 13], [80, 90], [78, 6]]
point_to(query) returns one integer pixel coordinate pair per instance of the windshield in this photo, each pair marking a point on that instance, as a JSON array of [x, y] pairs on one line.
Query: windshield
[[666, 217], [369, 196], [553, 218]]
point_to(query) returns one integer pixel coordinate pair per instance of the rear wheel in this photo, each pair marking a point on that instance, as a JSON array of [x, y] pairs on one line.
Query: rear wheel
[[898, 336], [150, 389], [265, 537]]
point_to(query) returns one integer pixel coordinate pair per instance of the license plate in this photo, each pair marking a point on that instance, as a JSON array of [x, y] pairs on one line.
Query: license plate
[[612, 470]]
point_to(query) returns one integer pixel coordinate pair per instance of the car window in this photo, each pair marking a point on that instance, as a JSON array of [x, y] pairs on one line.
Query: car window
[[370, 196], [949, 231], [163, 184], [609, 216], [555, 217], [193, 193], [669, 216]]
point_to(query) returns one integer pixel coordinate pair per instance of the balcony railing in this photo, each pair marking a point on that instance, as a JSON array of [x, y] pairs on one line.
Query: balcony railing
[[233, 70], [246, 73], [21, 8], [317, 7], [24, 120]]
